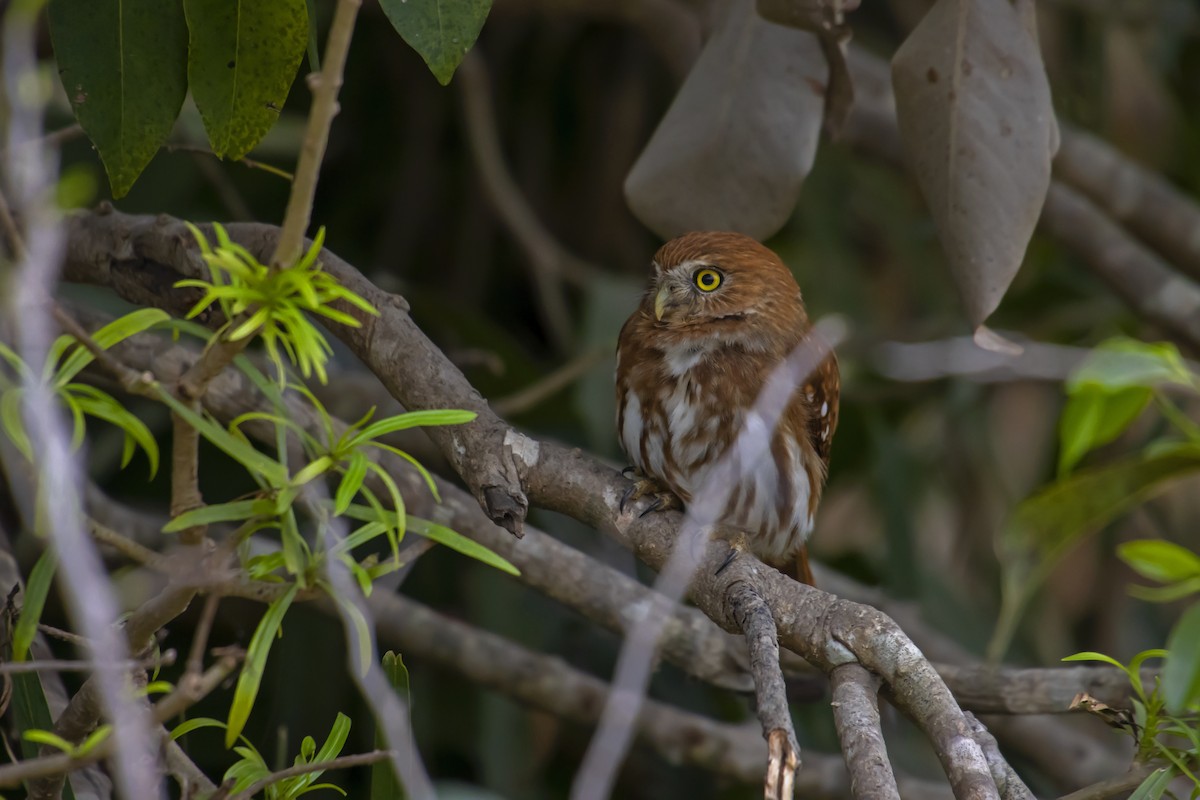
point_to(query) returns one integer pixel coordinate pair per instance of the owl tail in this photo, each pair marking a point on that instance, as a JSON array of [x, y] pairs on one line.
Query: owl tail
[[800, 569]]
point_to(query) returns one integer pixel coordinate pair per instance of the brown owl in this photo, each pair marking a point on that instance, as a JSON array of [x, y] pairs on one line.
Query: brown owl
[[720, 314]]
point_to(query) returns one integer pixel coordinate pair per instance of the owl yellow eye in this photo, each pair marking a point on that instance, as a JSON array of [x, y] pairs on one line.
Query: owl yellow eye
[[707, 280]]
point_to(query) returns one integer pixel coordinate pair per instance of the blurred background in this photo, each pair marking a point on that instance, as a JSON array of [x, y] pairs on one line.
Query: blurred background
[[924, 471]]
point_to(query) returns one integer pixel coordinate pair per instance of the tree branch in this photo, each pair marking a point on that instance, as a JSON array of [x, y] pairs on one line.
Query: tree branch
[[856, 716]]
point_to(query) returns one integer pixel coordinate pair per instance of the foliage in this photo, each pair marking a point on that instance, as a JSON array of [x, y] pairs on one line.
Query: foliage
[[1160, 736], [251, 767], [1105, 395], [127, 65]]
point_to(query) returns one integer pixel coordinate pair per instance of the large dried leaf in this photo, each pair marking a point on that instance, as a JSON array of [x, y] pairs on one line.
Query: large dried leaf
[[123, 64], [242, 58], [978, 128], [737, 142]]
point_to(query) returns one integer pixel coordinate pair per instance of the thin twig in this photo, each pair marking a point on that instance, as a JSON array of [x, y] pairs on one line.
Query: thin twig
[[69, 665], [341, 762], [195, 662], [124, 545]]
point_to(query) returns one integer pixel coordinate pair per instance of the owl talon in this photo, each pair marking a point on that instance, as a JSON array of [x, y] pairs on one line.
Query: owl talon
[[661, 499], [729, 559]]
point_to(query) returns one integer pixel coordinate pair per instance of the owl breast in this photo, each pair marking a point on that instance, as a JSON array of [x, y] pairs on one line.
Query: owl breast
[[678, 416]]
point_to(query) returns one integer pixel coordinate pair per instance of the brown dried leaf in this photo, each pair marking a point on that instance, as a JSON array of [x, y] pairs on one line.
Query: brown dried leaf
[[978, 128], [737, 142]]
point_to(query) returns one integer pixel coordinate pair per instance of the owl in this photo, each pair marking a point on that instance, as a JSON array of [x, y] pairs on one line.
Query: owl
[[720, 314]]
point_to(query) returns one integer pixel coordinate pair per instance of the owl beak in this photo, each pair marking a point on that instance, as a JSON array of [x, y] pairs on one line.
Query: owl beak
[[660, 301]]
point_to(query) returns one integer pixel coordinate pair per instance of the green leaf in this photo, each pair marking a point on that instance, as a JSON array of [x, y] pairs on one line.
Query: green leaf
[[442, 31], [1094, 656], [219, 512], [101, 405], [1160, 560], [456, 541], [106, 337], [351, 482], [1095, 416], [274, 473], [48, 738], [123, 64], [36, 590], [1122, 363], [93, 739], [1057, 516], [1155, 785], [411, 419], [242, 59], [1181, 673], [256, 659], [12, 422]]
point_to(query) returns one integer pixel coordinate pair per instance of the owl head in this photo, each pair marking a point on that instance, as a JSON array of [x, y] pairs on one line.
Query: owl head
[[724, 284]]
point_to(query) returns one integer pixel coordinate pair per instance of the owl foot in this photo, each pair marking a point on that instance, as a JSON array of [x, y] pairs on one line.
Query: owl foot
[[662, 498]]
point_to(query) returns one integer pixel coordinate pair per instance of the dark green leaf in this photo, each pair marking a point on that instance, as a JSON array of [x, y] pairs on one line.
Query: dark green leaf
[[242, 58], [442, 31], [1181, 673], [123, 64], [36, 590]]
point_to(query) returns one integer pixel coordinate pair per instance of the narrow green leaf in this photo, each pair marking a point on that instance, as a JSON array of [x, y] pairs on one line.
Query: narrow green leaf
[[412, 419], [442, 31], [313, 470], [256, 658], [352, 481], [48, 738], [184, 728], [123, 64], [1166, 594], [36, 590], [258, 464], [242, 59], [12, 422], [1155, 785], [235, 511], [1181, 673], [1094, 656], [101, 405], [1160, 560], [457, 542], [106, 337], [94, 738]]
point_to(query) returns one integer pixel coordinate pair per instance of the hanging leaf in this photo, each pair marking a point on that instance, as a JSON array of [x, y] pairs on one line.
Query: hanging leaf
[[1181, 673], [441, 31], [242, 59], [977, 124], [737, 142], [123, 64]]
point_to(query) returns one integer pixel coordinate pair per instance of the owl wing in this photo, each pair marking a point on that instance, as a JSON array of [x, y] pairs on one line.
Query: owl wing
[[822, 393]]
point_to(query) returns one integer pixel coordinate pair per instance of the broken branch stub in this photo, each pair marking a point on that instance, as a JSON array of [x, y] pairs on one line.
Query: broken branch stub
[[733, 149], [979, 131]]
